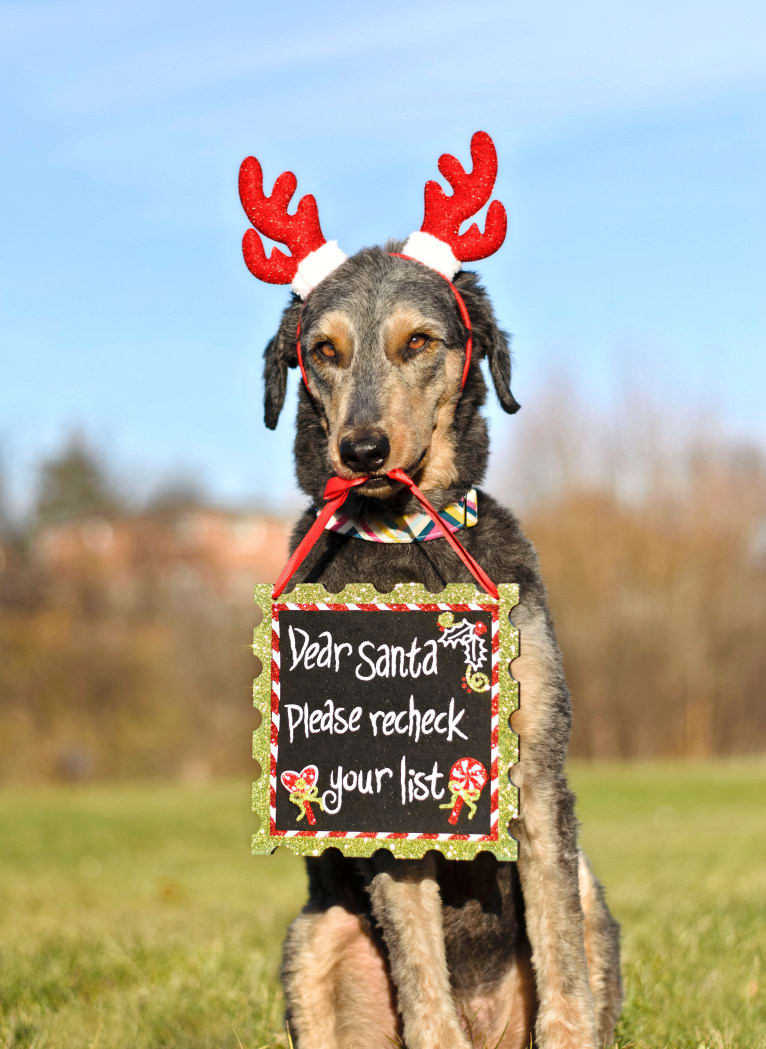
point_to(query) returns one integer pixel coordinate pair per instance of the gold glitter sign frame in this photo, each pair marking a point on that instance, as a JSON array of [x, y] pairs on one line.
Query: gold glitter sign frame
[[330, 700]]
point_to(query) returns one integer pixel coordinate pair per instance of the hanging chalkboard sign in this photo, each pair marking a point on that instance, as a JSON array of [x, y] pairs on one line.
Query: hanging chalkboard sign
[[384, 721]]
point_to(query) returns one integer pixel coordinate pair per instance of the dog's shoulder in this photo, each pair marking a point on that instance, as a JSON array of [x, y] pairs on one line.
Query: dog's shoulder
[[501, 547]]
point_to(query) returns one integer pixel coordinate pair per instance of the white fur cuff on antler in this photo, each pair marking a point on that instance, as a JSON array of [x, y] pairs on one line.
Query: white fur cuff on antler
[[316, 266], [432, 252]]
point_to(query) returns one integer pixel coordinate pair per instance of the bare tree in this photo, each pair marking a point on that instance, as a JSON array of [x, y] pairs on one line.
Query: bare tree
[[74, 483]]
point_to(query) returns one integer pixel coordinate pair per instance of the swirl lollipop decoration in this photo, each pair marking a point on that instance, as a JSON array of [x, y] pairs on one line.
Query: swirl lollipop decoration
[[303, 791], [467, 779]]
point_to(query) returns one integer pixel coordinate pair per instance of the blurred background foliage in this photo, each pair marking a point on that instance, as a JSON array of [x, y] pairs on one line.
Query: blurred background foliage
[[125, 621]]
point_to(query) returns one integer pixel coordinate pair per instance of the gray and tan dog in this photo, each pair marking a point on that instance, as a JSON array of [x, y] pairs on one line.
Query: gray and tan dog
[[436, 953]]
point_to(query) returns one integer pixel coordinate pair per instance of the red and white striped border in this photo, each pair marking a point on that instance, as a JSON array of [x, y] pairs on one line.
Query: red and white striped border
[[329, 606]]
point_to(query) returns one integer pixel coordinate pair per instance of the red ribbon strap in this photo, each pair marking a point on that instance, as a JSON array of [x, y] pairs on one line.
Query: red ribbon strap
[[335, 494], [337, 488], [471, 564]]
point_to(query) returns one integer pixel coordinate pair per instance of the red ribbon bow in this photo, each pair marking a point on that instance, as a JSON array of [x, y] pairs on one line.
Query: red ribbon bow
[[335, 494]]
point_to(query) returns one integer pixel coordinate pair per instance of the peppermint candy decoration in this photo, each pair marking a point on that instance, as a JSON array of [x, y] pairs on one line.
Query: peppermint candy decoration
[[467, 779]]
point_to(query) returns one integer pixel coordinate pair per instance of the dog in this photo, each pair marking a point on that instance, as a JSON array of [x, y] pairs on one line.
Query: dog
[[435, 953]]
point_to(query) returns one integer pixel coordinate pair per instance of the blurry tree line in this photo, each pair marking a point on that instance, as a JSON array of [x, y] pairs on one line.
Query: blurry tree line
[[102, 680], [653, 547], [652, 539]]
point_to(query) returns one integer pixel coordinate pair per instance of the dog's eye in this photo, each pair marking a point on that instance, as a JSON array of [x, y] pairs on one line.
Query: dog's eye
[[418, 341], [326, 349]]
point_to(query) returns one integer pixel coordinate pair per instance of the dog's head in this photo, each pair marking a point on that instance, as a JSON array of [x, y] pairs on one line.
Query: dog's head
[[382, 345]]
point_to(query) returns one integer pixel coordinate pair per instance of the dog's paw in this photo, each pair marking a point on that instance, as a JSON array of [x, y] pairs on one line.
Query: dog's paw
[[570, 1027], [435, 1033]]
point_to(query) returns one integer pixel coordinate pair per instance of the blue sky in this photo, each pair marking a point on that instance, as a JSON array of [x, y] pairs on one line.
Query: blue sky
[[631, 142]]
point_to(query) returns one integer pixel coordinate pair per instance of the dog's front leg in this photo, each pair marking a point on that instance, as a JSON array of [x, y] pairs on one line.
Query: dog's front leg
[[337, 987], [406, 903], [547, 835]]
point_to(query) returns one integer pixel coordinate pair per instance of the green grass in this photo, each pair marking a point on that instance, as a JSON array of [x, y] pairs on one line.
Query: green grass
[[134, 916]]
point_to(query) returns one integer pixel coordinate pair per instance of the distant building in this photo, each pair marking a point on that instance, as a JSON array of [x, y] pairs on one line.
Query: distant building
[[190, 553]]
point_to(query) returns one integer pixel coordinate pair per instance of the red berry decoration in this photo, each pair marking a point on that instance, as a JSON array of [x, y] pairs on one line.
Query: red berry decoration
[[480, 628]]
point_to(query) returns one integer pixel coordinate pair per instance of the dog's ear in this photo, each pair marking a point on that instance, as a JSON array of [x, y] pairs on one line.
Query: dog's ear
[[280, 354], [488, 339], [499, 357]]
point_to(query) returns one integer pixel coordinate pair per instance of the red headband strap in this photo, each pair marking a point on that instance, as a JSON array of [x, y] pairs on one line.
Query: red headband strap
[[300, 355], [335, 494], [460, 305], [337, 488], [463, 313]]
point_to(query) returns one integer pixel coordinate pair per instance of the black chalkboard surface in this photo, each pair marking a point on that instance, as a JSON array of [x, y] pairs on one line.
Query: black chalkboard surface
[[385, 721]]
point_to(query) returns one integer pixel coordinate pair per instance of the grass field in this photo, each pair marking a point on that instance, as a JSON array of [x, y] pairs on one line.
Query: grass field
[[134, 918]]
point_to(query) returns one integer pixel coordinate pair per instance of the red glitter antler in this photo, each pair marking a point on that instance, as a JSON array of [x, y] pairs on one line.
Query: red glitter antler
[[300, 232], [445, 213]]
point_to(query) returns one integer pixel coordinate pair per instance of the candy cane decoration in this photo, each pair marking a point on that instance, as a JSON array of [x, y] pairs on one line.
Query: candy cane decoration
[[303, 791], [467, 779]]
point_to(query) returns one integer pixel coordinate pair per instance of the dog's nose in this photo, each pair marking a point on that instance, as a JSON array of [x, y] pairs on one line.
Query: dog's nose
[[365, 451]]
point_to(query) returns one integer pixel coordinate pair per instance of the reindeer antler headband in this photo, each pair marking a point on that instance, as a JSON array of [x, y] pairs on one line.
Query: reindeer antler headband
[[437, 244]]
